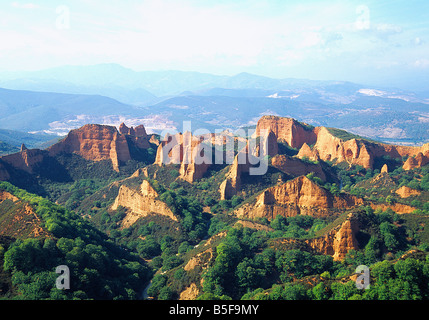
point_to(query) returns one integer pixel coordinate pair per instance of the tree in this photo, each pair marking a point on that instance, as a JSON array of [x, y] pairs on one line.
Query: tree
[[148, 248], [388, 231], [294, 292], [236, 200], [171, 262], [249, 277], [344, 291], [159, 281], [334, 189], [390, 199], [320, 292], [372, 250]]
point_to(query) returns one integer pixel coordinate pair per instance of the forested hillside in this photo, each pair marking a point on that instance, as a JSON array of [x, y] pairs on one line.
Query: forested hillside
[[99, 268], [129, 226]]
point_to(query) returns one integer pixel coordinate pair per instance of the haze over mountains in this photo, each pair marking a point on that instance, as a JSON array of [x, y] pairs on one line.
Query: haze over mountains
[[60, 99]]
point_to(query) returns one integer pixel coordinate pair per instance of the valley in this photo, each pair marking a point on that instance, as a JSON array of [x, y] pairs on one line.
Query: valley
[[122, 206], [58, 100]]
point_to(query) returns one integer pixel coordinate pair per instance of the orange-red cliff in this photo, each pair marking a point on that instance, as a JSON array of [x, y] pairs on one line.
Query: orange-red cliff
[[297, 196], [321, 143], [101, 142]]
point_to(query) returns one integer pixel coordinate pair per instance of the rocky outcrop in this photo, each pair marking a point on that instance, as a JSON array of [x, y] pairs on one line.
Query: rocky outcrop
[[331, 148], [328, 147], [25, 160], [338, 241], [138, 131], [399, 208], [416, 162], [296, 167], [4, 195], [381, 180], [190, 293], [100, 142], [227, 190], [193, 155], [405, 192], [361, 152], [201, 260], [288, 130], [252, 159], [297, 196], [137, 136], [170, 150], [140, 203], [242, 163]]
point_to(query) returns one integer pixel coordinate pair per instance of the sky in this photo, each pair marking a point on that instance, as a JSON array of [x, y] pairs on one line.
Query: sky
[[374, 41]]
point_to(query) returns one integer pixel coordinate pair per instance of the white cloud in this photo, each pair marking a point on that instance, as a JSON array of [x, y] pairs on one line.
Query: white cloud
[[314, 39], [421, 63], [19, 5], [388, 28], [418, 41]]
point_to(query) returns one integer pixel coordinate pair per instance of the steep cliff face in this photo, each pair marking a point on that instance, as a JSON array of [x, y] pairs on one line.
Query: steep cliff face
[[137, 135], [140, 203], [416, 162], [328, 147], [360, 152], [100, 142], [242, 163], [138, 131], [339, 241], [4, 174], [188, 151], [296, 167], [298, 196], [286, 129], [252, 159], [24, 160]]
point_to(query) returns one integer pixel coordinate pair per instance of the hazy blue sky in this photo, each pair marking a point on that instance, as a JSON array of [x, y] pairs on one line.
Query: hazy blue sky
[[365, 41]]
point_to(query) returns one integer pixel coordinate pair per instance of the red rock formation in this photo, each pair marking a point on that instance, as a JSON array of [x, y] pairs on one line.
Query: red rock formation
[[4, 195], [95, 142], [243, 162], [329, 148], [296, 167], [123, 129], [358, 151], [140, 203], [24, 160], [136, 135], [338, 241], [138, 131], [170, 150], [187, 150], [100, 142], [252, 159], [405, 192], [416, 162], [297, 196], [286, 129]]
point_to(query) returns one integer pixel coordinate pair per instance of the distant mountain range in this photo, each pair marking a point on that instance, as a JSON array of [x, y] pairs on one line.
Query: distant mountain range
[[60, 99]]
